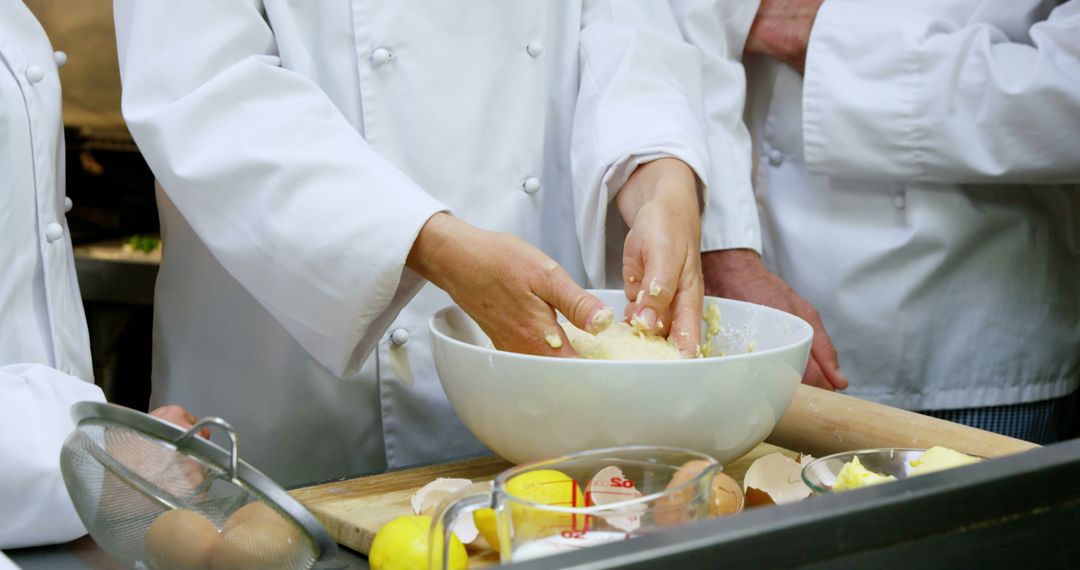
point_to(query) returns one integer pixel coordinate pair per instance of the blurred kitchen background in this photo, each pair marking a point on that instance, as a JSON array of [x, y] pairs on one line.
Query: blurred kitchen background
[[114, 221]]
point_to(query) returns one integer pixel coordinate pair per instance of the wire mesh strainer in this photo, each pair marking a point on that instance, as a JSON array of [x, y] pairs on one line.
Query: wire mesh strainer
[[125, 470]]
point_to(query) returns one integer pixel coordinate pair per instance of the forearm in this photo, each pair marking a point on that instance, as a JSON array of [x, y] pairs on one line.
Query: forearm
[[782, 28], [639, 99]]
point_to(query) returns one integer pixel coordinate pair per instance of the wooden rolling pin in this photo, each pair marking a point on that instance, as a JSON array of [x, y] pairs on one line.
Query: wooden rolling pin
[[820, 422]]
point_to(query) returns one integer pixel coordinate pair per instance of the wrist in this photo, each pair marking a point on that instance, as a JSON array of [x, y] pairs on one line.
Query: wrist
[[730, 259], [431, 248], [667, 179]]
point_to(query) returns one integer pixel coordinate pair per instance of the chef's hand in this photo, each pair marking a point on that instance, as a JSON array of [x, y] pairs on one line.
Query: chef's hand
[[740, 274], [781, 29], [510, 288], [180, 417], [661, 255]]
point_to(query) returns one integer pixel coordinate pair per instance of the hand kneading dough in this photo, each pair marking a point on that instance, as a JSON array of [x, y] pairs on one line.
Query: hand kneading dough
[[620, 342]]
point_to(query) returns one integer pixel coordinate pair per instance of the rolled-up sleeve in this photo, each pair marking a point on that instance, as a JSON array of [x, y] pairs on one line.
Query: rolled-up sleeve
[[280, 186], [639, 99], [895, 93]]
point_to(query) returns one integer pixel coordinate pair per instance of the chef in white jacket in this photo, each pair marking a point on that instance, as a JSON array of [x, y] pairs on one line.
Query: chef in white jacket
[[44, 348], [307, 154], [916, 169]]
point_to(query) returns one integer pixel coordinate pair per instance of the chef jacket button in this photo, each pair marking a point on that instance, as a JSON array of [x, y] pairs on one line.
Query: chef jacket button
[[60, 58], [899, 201], [53, 232], [34, 74], [399, 337], [534, 49], [776, 158], [67, 204], [531, 185], [381, 57]]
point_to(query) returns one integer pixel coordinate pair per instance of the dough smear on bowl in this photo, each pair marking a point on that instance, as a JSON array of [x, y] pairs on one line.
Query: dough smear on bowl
[[620, 341]]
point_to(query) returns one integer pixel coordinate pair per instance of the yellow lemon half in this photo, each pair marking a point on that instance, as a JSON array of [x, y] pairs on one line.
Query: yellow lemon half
[[403, 544]]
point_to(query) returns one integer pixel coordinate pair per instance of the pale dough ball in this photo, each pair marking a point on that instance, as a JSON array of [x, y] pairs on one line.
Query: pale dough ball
[[181, 539], [620, 342]]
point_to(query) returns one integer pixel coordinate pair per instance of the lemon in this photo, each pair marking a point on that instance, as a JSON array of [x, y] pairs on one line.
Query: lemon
[[546, 486], [402, 544], [484, 519]]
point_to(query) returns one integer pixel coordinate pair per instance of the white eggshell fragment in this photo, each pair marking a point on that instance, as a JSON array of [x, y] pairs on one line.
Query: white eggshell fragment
[[777, 476], [610, 486], [429, 496]]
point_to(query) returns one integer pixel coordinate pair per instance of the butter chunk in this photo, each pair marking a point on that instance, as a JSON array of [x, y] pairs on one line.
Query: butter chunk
[[853, 476], [938, 458]]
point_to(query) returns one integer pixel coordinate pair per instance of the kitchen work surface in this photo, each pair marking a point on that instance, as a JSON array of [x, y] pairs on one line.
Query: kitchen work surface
[[817, 422]]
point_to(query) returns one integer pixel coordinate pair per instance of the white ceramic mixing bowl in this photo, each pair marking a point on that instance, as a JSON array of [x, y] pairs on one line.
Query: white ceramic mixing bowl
[[527, 408]]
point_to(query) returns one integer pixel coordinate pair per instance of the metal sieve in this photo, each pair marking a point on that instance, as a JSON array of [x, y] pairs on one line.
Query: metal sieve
[[156, 497]]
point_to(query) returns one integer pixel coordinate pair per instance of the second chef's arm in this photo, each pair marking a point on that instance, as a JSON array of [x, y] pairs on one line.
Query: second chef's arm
[[893, 93], [731, 234]]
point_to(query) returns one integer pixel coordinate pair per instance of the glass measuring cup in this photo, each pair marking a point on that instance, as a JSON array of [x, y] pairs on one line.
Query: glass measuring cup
[[583, 499]]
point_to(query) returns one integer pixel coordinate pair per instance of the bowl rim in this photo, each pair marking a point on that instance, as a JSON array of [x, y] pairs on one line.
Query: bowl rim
[[808, 340]]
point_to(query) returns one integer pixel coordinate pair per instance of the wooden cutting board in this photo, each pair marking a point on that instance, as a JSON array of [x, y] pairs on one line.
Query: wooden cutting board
[[355, 509], [817, 422]]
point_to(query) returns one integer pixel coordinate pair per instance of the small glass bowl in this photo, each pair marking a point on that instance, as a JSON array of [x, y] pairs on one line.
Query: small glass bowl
[[820, 474]]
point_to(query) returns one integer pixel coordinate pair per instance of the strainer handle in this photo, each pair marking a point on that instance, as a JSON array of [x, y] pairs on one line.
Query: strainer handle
[[218, 422]]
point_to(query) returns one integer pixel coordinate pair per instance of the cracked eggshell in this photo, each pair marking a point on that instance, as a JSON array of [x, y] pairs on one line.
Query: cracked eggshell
[[610, 486], [425, 500], [775, 479]]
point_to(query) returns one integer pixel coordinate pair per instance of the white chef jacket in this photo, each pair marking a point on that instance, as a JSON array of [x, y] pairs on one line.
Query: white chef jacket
[[919, 187], [300, 147], [44, 347]]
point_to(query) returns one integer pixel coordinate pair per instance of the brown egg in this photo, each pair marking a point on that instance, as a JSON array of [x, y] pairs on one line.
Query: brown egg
[[688, 471], [671, 510], [259, 544], [727, 497], [181, 539], [256, 511]]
